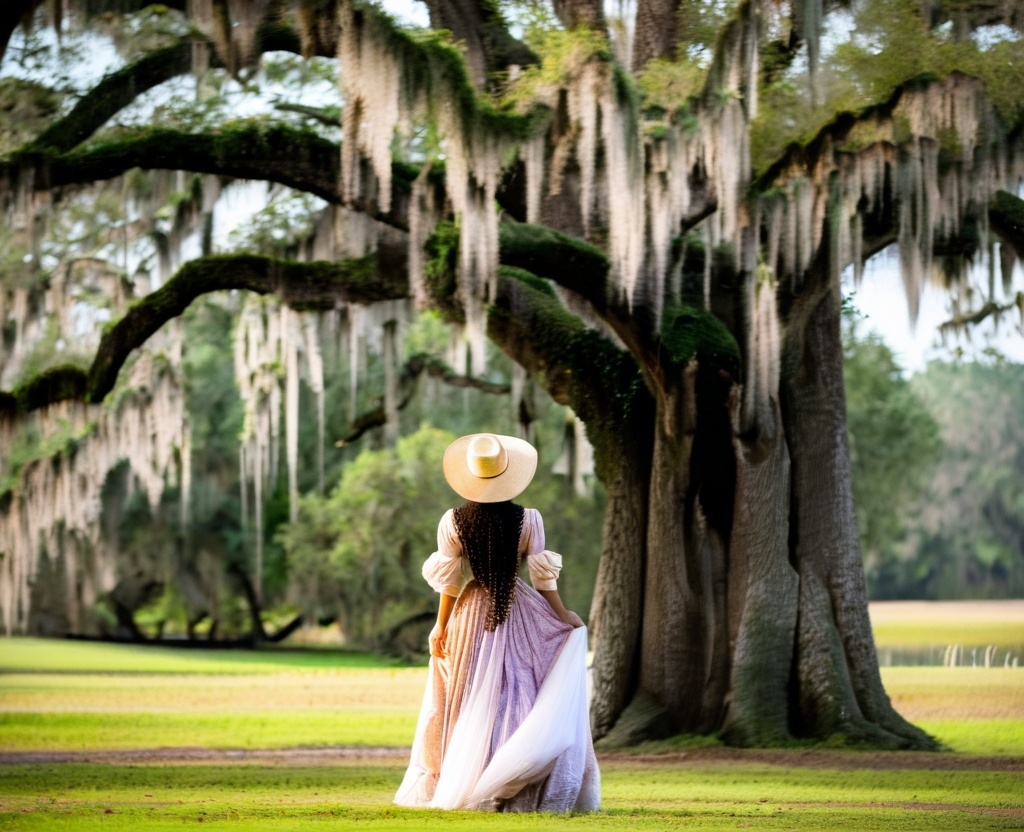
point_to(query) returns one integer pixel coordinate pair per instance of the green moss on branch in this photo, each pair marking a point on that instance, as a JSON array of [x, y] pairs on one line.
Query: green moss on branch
[[568, 261], [248, 149], [54, 385], [301, 285], [577, 366], [688, 332]]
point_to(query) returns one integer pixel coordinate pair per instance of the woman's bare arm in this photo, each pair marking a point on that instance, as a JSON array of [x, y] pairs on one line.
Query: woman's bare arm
[[440, 631]]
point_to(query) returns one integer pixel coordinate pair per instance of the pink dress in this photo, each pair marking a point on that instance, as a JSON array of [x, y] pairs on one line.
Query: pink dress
[[504, 724]]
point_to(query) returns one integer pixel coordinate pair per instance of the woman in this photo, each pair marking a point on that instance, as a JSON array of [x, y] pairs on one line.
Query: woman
[[504, 723]]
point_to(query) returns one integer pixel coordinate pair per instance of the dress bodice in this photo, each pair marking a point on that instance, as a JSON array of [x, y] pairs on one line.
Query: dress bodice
[[447, 571]]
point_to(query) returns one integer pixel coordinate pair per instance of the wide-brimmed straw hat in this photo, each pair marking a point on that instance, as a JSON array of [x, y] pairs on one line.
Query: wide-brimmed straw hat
[[488, 467]]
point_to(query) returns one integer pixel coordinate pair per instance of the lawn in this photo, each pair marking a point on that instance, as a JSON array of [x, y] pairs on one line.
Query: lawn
[[99, 736]]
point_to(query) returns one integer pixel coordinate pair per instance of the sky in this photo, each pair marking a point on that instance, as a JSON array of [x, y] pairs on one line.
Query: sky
[[880, 297]]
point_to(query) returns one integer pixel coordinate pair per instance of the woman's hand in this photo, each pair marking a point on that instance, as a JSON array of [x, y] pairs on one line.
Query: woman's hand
[[572, 619], [437, 640]]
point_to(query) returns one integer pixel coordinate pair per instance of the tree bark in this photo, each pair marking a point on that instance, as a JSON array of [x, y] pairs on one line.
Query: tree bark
[[673, 663], [762, 588], [657, 31], [478, 26], [840, 687], [575, 13]]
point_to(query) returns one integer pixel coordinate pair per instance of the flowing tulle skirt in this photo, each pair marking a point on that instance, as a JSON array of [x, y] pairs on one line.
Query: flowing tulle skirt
[[504, 723]]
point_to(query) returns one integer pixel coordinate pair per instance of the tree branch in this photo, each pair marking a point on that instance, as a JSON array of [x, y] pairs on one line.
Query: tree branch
[[958, 323], [245, 150], [316, 285], [117, 90], [568, 261], [416, 366], [330, 116]]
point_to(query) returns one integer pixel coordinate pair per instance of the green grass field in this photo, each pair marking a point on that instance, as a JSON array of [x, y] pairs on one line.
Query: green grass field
[[158, 738], [940, 623]]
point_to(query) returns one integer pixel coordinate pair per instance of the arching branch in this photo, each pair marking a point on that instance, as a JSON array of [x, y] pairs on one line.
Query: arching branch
[[119, 89], [377, 277], [958, 323], [290, 156], [244, 150]]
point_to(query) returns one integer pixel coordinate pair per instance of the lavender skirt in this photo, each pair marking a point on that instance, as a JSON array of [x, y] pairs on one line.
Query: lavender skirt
[[504, 724]]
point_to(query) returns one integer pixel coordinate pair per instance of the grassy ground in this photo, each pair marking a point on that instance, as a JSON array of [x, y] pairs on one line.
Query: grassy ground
[[108, 737], [637, 794], [940, 623]]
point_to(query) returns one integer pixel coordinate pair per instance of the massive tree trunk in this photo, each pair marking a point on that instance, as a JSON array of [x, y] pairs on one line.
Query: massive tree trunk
[[839, 686]]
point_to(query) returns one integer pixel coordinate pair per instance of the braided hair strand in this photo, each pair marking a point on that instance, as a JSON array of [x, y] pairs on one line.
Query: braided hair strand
[[489, 533]]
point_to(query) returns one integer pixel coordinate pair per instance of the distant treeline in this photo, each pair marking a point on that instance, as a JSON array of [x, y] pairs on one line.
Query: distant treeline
[[938, 474]]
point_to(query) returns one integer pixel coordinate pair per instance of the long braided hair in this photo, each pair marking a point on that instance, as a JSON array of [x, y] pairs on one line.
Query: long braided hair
[[489, 533]]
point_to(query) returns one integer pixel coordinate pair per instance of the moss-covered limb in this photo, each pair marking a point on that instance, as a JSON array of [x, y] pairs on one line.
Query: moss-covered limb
[[1006, 216], [568, 261], [246, 150], [301, 285], [576, 365], [804, 156], [118, 89], [114, 92], [688, 332], [537, 332], [56, 384]]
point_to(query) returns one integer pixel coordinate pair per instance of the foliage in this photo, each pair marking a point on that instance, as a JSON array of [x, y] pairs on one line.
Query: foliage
[[286, 218], [970, 535], [27, 446], [355, 554], [876, 47], [894, 445], [669, 85]]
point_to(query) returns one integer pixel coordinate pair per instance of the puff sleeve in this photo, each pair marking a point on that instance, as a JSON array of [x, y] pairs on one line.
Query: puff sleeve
[[446, 570], [543, 564]]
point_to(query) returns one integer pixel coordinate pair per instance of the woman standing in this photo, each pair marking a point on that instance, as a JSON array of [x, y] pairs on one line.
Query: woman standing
[[504, 723]]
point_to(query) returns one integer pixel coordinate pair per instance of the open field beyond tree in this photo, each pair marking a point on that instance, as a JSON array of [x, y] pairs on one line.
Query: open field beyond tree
[[100, 736]]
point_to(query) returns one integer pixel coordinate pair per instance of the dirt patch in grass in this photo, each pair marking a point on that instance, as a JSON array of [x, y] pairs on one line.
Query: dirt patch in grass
[[824, 758], [300, 756], [358, 755]]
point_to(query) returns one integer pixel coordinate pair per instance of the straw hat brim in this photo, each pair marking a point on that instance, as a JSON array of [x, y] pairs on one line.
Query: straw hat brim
[[522, 465]]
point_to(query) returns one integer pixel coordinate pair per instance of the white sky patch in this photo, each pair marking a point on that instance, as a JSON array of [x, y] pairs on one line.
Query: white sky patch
[[882, 299]]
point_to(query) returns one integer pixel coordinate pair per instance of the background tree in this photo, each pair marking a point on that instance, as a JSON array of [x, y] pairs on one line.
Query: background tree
[[666, 260], [965, 540], [894, 448]]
